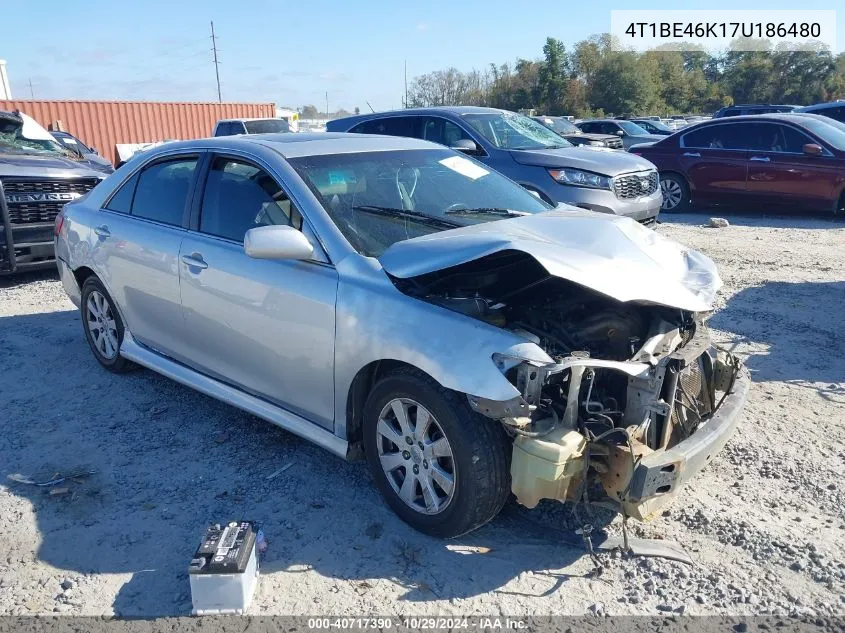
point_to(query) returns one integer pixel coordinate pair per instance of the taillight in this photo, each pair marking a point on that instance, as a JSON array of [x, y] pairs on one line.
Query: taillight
[[60, 220]]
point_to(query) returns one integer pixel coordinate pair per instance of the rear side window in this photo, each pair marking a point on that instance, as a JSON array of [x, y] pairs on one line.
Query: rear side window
[[240, 196], [162, 190], [727, 136], [121, 201], [392, 126]]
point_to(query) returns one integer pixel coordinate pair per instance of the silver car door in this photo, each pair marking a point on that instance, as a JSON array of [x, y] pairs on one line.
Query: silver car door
[[265, 326], [138, 235]]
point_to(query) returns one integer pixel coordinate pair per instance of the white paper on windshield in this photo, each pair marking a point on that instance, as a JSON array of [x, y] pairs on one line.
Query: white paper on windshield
[[33, 131], [69, 141], [464, 167]]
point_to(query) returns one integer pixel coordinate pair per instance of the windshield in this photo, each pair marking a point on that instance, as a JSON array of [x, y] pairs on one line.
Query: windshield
[[631, 128], [507, 130], [22, 135], [379, 198], [266, 126]]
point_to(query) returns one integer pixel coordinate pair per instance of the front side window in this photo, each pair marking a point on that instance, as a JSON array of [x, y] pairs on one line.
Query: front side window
[[162, 190], [379, 198], [240, 196], [441, 131], [772, 137], [507, 130]]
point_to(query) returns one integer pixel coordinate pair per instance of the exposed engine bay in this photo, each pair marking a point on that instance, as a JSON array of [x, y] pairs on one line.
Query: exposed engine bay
[[629, 381]]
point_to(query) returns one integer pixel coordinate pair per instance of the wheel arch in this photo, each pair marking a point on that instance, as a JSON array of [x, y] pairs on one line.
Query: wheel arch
[[359, 389]]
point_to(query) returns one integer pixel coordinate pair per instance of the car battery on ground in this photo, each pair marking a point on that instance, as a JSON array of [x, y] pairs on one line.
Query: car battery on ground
[[224, 570]]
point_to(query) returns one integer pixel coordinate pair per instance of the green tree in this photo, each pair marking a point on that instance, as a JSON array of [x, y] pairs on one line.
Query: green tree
[[553, 75]]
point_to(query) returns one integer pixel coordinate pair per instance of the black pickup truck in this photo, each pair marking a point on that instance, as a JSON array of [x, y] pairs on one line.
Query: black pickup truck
[[37, 178]]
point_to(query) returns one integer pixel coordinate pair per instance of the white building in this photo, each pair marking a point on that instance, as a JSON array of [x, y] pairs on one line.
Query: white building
[[5, 90]]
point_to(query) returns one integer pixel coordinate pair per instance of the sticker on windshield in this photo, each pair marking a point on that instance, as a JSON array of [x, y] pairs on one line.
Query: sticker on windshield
[[464, 167]]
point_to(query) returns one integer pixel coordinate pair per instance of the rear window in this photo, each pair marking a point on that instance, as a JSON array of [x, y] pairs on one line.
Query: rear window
[[267, 126]]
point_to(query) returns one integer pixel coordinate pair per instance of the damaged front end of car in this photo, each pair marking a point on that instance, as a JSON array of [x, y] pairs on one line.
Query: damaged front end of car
[[634, 398]]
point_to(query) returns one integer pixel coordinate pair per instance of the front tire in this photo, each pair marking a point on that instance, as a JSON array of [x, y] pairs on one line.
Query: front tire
[[444, 469], [103, 326], [676, 193]]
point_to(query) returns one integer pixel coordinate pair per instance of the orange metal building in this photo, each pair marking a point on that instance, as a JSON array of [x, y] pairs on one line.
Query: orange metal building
[[103, 124]]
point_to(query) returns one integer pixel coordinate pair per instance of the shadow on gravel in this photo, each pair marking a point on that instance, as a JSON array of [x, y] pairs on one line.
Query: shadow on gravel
[[751, 218], [21, 279], [170, 461], [795, 326]]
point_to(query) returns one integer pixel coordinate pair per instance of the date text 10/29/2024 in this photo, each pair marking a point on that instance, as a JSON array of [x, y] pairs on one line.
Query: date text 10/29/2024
[[420, 623]]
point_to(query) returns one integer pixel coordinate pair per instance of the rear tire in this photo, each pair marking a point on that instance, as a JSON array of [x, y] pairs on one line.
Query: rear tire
[[103, 326], [459, 463], [676, 193]]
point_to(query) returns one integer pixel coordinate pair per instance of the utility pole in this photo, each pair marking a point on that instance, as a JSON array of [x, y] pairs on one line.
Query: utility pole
[[31, 91], [406, 83], [327, 104], [216, 63]]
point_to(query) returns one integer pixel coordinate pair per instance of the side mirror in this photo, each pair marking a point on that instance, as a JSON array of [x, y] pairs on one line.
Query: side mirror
[[620, 133], [277, 242], [811, 149], [466, 146]]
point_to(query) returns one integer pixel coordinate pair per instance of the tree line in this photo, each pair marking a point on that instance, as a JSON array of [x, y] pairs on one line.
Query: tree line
[[592, 79]]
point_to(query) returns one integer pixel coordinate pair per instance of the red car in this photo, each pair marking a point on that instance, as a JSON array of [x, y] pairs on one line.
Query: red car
[[795, 160]]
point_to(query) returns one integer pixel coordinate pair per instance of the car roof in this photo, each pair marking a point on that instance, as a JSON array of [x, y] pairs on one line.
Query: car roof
[[294, 145], [822, 106], [434, 110]]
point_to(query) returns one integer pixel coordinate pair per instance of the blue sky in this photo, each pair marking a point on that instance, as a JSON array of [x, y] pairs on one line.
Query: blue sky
[[289, 53]]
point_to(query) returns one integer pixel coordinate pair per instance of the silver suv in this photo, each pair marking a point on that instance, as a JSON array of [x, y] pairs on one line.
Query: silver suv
[[393, 299]]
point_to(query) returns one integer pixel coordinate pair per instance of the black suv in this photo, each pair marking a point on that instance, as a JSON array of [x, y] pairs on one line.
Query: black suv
[[757, 108], [37, 178]]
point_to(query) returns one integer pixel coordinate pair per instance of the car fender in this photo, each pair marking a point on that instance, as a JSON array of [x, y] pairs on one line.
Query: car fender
[[376, 322]]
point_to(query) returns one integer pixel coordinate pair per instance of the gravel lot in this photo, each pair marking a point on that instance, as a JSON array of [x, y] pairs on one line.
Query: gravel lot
[[765, 522]]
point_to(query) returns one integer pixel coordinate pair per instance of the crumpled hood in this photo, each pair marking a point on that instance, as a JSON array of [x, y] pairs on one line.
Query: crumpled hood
[[589, 159], [612, 255]]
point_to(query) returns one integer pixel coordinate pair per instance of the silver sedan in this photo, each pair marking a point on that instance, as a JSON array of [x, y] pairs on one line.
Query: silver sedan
[[391, 299]]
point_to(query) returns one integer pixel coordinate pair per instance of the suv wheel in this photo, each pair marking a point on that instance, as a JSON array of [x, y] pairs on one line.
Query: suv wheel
[[676, 195], [103, 326], [444, 469]]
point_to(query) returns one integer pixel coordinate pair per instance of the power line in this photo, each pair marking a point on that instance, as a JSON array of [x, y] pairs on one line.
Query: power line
[[216, 63]]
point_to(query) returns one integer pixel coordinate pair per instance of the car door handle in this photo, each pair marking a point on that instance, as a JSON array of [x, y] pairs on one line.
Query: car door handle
[[692, 154], [102, 231], [761, 159], [194, 260]]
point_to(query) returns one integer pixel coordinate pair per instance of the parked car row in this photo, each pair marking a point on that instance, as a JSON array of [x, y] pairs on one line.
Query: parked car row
[[530, 154]]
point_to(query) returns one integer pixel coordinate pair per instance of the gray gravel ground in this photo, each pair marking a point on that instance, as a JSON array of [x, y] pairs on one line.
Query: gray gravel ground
[[765, 522]]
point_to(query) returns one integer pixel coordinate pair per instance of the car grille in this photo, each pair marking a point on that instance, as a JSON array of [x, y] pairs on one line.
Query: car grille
[[37, 212], [631, 186]]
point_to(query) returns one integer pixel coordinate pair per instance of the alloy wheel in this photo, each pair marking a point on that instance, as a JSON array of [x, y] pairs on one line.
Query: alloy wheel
[[672, 193], [101, 325], [416, 456]]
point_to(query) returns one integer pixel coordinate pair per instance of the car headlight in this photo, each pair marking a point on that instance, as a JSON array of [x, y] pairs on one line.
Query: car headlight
[[578, 178]]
